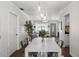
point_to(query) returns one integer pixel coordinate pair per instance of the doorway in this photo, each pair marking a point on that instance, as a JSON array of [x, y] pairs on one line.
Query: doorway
[[53, 30], [12, 29], [66, 31]]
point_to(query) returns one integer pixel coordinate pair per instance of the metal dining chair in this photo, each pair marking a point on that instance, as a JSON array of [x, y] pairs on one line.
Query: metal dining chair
[[23, 43], [60, 43], [33, 54]]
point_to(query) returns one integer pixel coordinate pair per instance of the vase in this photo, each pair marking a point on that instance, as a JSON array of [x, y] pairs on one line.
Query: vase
[[42, 43], [42, 39]]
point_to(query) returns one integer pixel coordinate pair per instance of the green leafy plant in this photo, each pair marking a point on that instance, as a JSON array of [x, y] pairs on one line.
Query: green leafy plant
[[29, 28], [42, 34]]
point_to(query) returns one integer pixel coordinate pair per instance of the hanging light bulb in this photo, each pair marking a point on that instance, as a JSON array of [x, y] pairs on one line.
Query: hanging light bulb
[[39, 7], [43, 16]]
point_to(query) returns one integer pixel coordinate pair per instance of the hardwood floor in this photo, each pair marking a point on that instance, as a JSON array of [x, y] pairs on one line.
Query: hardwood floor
[[20, 53], [65, 52]]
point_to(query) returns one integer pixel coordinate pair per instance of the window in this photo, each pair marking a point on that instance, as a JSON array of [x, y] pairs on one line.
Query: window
[[41, 27]]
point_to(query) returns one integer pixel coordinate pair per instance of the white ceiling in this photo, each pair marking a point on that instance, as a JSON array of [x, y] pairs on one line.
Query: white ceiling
[[50, 8]]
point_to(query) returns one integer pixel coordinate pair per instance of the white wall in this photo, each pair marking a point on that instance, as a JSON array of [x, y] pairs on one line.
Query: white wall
[[73, 9], [5, 8]]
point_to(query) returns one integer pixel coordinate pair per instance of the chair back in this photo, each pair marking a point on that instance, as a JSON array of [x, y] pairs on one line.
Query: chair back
[[24, 43], [60, 43]]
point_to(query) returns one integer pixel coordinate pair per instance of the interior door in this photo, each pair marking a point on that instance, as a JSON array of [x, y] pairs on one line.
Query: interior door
[[12, 42], [53, 30]]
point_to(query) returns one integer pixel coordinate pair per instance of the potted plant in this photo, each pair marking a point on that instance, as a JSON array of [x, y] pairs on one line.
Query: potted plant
[[29, 29], [42, 34]]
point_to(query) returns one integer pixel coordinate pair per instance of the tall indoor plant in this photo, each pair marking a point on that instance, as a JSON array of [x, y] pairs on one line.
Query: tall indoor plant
[[42, 34], [29, 29]]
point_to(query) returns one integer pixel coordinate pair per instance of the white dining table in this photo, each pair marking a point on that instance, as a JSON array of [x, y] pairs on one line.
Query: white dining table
[[49, 45]]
